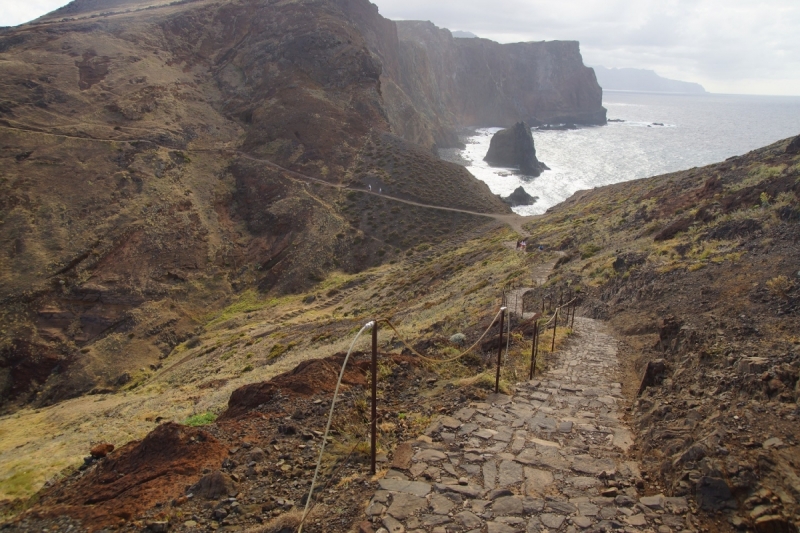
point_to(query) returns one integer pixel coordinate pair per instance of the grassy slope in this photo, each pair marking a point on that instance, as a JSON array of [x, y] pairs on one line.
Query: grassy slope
[[429, 293]]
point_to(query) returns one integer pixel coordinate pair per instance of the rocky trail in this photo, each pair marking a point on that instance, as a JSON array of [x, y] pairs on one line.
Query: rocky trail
[[550, 457]]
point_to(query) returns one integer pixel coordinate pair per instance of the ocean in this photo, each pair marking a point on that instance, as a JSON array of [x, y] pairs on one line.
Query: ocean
[[697, 130]]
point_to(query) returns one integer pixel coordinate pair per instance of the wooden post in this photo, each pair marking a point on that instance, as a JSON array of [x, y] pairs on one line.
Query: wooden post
[[499, 351], [555, 326], [574, 308], [533, 349], [374, 420]]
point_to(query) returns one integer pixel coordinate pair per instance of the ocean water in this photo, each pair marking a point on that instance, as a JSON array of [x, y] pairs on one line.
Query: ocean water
[[697, 130]]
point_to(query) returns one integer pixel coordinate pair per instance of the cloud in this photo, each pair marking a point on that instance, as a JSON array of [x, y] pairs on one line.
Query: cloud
[[729, 46], [15, 12]]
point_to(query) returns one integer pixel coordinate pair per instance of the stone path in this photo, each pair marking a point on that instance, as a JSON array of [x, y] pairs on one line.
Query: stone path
[[550, 457]]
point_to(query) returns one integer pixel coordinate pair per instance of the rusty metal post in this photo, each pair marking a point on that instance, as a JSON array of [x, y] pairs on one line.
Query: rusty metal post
[[533, 349], [555, 327], [374, 420], [499, 351]]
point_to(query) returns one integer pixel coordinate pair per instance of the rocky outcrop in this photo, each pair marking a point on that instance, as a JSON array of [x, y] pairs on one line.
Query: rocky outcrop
[[513, 147], [520, 197]]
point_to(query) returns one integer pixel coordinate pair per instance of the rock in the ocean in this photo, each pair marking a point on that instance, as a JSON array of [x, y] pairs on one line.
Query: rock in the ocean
[[513, 147], [520, 197]]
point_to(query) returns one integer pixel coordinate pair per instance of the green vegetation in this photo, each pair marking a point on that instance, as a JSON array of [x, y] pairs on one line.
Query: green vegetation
[[201, 419]]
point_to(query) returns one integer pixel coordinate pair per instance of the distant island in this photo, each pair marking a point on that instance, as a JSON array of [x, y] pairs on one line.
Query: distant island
[[458, 34], [635, 79]]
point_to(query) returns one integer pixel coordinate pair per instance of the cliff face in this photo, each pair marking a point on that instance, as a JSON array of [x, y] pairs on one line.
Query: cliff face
[[477, 82]]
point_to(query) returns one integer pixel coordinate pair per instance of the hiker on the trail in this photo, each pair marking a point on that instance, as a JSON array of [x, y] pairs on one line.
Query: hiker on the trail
[[541, 248], [524, 245], [380, 190], [370, 187]]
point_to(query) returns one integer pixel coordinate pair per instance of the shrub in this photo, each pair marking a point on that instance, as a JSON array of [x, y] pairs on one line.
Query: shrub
[[201, 419], [193, 342], [458, 338], [780, 286]]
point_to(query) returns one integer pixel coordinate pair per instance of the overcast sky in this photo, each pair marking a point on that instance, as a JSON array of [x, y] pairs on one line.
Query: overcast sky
[[729, 46]]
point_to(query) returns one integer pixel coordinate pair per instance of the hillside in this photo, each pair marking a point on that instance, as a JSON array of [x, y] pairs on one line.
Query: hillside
[[695, 271], [159, 159], [202, 201]]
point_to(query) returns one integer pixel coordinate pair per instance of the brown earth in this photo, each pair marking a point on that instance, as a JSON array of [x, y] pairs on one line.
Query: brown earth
[[265, 428], [134, 478]]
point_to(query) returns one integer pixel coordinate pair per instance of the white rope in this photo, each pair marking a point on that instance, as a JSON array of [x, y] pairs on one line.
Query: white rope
[[328, 426]]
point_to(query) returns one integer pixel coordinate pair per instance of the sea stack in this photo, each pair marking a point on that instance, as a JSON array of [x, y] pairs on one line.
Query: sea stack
[[513, 147]]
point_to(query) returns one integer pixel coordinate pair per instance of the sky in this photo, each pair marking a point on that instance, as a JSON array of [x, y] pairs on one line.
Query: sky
[[728, 46]]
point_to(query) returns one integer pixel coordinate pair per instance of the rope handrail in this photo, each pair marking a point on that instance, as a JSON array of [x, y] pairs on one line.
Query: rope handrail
[[374, 324], [557, 312], [328, 425], [441, 361]]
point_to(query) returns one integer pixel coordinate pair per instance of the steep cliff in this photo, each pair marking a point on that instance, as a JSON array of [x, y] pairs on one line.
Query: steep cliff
[[478, 82]]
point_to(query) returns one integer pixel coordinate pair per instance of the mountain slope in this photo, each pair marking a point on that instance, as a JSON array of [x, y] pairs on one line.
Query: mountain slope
[[157, 159]]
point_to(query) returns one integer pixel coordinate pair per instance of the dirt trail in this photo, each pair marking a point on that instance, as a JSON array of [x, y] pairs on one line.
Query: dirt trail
[[550, 455], [513, 220]]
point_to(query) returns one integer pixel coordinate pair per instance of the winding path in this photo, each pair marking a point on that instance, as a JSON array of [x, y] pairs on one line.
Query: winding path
[[511, 219]]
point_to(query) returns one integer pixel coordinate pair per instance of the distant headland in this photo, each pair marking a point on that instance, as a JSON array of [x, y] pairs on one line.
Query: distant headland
[[635, 79]]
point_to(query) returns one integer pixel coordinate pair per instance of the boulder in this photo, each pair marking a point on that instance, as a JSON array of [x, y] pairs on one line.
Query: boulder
[[713, 494], [101, 450], [513, 147], [213, 486], [520, 197]]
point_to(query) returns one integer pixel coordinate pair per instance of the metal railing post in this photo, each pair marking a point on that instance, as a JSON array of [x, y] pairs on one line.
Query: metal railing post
[[374, 420], [499, 351]]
